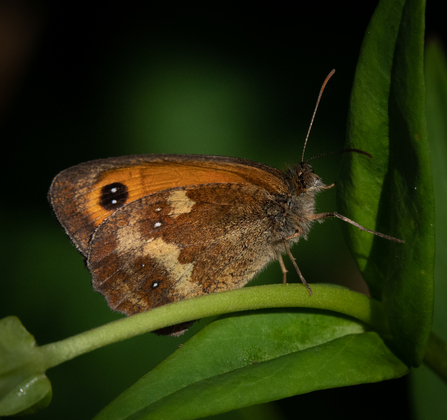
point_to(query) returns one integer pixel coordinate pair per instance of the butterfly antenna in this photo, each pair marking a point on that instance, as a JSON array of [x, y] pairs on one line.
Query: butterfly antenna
[[315, 110], [340, 151]]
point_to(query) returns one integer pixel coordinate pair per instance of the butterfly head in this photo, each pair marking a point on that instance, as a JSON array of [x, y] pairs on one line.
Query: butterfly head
[[304, 181]]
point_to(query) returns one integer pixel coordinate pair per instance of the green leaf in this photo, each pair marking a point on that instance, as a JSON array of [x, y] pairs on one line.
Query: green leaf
[[393, 192], [436, 82], [428, 389], [24, 388], [254, 358]]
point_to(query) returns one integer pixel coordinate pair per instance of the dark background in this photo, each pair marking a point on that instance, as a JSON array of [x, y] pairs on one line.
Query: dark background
[[87, 80]]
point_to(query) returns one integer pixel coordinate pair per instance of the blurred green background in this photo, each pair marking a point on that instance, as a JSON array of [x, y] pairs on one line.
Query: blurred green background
[[80, 81]]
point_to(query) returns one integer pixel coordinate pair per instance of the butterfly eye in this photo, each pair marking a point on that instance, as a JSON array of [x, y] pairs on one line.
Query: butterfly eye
[[113, 196]]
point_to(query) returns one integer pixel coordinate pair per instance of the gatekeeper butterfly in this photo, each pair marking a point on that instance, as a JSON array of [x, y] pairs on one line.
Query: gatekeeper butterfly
[[158, 228]]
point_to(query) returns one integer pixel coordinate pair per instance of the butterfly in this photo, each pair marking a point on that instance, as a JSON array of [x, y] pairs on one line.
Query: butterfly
[[155, 229]]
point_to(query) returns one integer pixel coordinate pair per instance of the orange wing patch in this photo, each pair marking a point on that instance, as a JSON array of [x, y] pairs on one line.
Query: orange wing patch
[[150, 178]]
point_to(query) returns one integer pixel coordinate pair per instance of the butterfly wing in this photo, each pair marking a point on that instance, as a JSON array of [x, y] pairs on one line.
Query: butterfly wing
[[183, 242], [85, 195]]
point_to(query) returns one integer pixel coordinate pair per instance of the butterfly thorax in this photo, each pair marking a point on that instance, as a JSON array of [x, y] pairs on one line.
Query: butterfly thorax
[[304, 184]]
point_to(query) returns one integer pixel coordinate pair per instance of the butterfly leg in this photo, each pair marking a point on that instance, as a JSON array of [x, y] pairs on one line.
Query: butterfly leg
[[345, 219], [283, 269], [292, 258]]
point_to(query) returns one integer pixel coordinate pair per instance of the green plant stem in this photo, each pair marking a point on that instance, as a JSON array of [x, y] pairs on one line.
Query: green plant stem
[[325, 297], [436, 356]]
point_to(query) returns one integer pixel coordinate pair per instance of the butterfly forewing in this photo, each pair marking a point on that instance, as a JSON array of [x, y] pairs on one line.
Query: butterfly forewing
[[78, 194]]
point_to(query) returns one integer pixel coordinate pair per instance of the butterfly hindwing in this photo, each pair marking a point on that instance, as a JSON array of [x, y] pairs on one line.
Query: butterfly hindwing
[[183, 242]]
